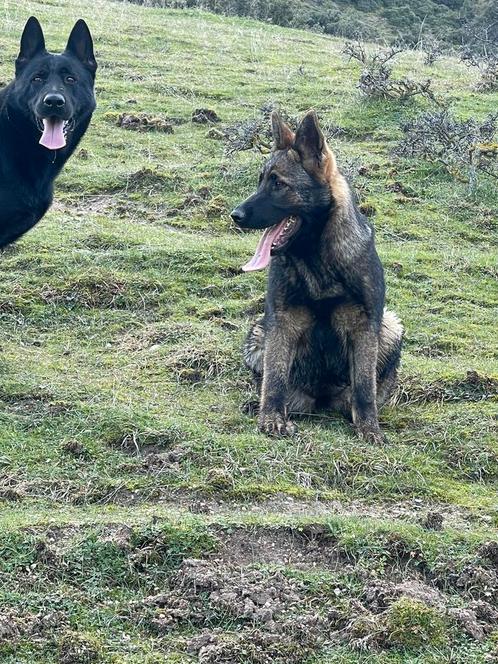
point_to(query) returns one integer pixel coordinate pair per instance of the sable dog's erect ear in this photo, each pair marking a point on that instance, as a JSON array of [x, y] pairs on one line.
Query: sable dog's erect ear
[[80, 44], [310, 142], [282, 134], [32, 42]]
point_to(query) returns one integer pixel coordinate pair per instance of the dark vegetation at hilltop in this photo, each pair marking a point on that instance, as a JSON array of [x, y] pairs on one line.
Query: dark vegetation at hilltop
[[453, 22]]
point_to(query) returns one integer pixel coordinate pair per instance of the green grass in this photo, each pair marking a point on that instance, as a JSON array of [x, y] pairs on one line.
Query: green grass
[[121, 383]]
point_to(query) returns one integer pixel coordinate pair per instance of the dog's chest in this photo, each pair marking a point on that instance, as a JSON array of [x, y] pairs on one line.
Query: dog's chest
[[310, 283]]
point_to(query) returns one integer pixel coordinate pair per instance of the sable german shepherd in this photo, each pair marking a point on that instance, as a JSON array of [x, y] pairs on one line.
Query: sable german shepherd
[[44, 112], [325, 340]]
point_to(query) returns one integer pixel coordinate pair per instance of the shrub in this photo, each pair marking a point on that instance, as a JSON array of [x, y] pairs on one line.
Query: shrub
[[255, 132], [375, 79], [463, 147], [433, 50], [480, 51]]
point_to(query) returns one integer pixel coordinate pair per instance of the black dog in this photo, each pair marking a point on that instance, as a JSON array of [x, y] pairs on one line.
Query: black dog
[[325, 340], [44, 112]]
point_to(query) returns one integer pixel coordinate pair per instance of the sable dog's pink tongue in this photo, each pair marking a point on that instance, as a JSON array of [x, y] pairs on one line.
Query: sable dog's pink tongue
[[262, 254], [53, 134]]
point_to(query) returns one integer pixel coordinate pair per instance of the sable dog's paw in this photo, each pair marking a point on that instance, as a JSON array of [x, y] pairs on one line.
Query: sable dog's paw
[[371, 434], [275, 424]]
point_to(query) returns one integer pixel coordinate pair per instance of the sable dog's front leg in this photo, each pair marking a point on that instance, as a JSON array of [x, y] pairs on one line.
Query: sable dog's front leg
[[363, 371], [282, 337]]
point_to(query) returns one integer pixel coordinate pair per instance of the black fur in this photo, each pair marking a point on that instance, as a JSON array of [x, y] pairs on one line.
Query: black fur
[[45, 85]]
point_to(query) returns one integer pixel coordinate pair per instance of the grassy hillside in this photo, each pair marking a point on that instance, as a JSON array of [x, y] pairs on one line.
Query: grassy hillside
[[142, 517], [450, 21]]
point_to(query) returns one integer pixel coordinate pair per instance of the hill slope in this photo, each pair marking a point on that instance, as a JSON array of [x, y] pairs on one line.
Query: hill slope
[[142, 517], [451, 21]]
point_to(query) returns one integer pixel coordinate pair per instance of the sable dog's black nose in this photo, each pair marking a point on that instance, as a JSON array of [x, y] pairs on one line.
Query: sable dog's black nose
[[54, 100], [238, 215]]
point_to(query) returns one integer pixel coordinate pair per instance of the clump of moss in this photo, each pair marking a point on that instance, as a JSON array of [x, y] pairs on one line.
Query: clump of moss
[[413, 624], [78, 648]]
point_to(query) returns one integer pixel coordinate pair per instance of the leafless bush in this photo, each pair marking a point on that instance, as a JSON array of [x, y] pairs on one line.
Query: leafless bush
[[433, 49], [480, 51], [487, 66], [464, 148], [255, 133], [375, 79]]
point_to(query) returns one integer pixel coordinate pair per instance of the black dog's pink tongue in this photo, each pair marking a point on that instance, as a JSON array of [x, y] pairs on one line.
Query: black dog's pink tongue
[[262, 255], [53, 134]]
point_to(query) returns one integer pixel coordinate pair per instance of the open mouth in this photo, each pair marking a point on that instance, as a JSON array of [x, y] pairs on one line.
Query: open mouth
[[54, 132], [274, 240]]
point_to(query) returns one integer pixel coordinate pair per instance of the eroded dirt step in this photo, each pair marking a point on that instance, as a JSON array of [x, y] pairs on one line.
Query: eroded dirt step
[[135, 506], [286, 589]]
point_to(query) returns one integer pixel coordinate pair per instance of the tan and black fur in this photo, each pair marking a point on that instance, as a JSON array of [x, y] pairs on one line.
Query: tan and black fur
[[325, 340]]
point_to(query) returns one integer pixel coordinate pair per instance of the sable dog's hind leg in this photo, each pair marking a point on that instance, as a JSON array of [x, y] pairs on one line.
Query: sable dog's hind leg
[[363, 351]]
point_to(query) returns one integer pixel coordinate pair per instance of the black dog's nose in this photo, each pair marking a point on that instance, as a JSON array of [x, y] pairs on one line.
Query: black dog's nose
[[54, 100], [238, 215]]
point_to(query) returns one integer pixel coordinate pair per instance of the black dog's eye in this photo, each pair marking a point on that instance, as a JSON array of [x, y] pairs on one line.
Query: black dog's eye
[[70, 80], [37, 79]]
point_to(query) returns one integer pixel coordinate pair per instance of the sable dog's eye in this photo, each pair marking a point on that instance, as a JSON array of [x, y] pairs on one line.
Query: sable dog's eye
[[280, 184], [70, 80]]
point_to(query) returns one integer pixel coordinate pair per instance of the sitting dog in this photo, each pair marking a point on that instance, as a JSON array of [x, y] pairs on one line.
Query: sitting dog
[[325, 340], [44, 112]]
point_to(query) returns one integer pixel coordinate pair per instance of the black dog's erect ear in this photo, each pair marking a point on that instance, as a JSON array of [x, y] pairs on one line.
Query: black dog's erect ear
[[80, 44], [310, 141], [282, 134], [32, 42]]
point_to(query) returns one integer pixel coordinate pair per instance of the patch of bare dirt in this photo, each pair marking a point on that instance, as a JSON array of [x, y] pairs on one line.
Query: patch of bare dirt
[[303, 548], [379, 594], [35, 405], [475, 581], [279, 620], [12, 487], [146, 179], [19, 624], [76, 449], [98, 204], [489, 551], [205, 116], [411, 511], [144, 122], [195, 198]]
